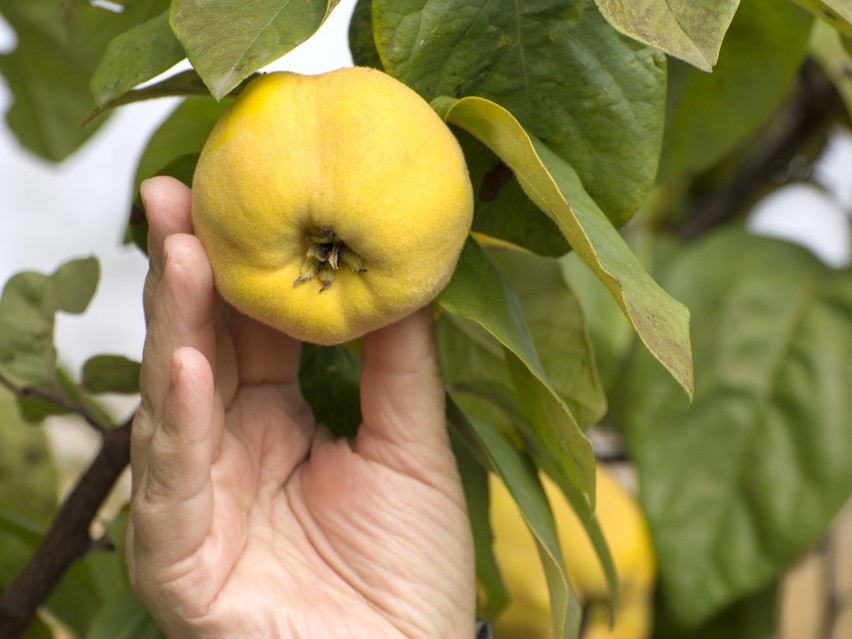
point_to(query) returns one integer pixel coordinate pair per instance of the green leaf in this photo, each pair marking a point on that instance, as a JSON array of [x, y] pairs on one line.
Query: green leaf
[[837, 13], [185, 83], [709, 115], [609, 330], [361, 42], [755, 617], [227, 41], [660, 321], [27, 308], [37, 629], [521, 478], [181, 168], [478, 292], [492, 596], [173, 150], [329, 378], [76, 598], [28, 477], [73, 285], [833, 53], [691, 30], [742, 482], [135, 56], [124, 618], [59, 46], [558, 328], [565, 457], [111, 374], [593, 96], [184, 132], [501, 208], [18, 539]]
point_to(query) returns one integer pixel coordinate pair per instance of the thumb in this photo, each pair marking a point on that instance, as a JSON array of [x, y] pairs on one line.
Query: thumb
[[402, 399]]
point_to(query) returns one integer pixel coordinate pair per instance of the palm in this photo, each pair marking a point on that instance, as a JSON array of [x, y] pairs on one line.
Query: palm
[[301, 520], [267, 524]]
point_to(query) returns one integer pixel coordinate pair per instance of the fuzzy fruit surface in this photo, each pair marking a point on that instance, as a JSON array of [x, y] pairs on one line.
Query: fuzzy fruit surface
[[331, 205]]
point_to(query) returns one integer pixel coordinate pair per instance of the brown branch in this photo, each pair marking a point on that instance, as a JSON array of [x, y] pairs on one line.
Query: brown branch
[[816, 108], [68, 538], [58, 399]]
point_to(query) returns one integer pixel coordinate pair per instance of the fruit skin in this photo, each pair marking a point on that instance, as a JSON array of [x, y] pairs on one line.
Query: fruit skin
[[626, 531], [354, 151]]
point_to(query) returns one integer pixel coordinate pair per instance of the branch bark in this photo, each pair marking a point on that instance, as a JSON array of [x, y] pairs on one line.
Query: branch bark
[[68, 538]]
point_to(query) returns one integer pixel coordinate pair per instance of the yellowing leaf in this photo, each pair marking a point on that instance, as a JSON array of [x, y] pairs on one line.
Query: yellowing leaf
[[691, 30], [661, 322]]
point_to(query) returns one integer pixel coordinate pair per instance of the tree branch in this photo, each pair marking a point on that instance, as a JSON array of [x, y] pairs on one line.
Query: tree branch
[[68, 538], [58, 399]]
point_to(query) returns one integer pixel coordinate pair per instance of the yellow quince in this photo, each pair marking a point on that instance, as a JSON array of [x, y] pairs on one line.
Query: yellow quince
[[331, 205], [629, 540]]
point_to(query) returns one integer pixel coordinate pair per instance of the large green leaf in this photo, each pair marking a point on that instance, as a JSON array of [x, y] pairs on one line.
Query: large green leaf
[[520, 475], [75, 599], [173, 150], [28, 477], [691, 30], [741, 483], [501, 208], [329, 378], [558, 328], [362, 46], [472, 359], [833, 53], [491, 592], [110, 374], [227, 41], [27, 308], [591, 95], [59, 46], [710, 114], [124, 618], [184, 131], [135, 56], [661, 322], [479, 293], [754, 617], [28, 487]]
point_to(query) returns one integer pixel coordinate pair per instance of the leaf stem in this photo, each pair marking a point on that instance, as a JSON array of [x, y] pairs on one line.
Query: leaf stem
[[57, 398]]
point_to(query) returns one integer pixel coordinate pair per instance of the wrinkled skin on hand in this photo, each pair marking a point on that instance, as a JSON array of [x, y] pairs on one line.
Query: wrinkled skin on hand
[[250, 519]]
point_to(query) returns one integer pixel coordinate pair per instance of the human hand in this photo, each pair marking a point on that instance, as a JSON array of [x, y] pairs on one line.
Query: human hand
[[247, 517]]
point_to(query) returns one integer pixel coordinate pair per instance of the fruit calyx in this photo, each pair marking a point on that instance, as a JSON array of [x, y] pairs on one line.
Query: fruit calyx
[[326, 252]]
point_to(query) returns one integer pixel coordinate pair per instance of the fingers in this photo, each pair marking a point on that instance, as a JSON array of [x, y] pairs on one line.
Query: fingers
[[402, 399], [173, 507], [182, 317], [264, 355], [167, 206]]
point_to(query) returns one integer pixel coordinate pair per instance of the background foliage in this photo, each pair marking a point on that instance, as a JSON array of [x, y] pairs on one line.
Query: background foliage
[[620, 147]]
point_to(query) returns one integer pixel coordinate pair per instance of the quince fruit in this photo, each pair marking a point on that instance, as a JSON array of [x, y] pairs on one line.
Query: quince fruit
[[331, 205], [628, 537]]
